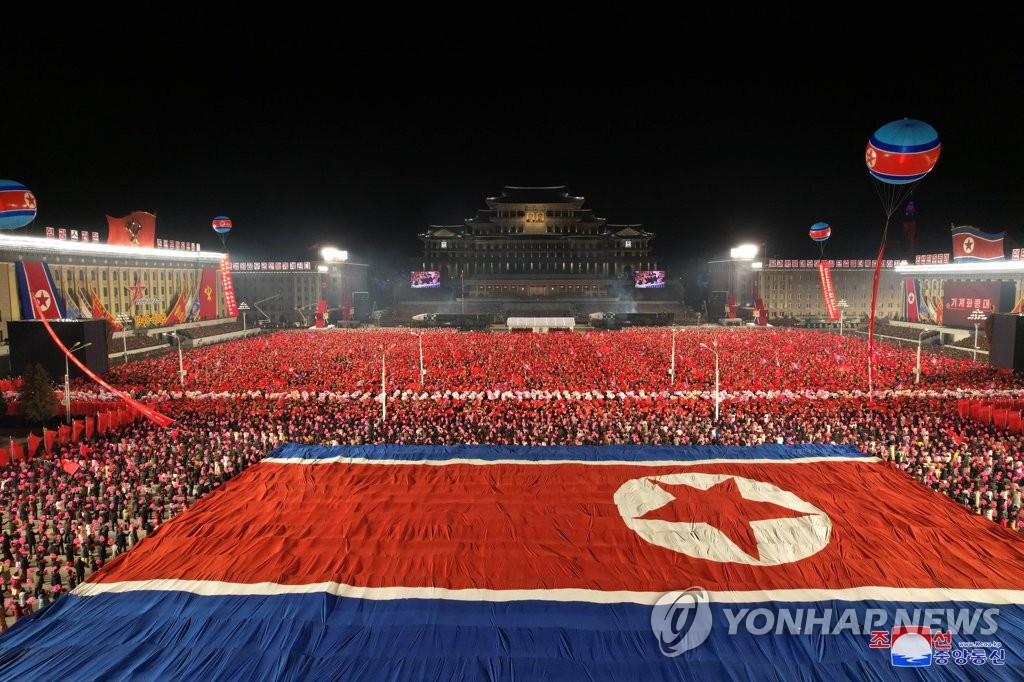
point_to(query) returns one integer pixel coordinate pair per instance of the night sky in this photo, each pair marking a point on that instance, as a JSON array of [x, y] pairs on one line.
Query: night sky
[[363, 150]]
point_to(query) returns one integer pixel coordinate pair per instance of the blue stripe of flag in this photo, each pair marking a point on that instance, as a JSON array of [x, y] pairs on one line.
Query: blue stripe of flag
[[174, 635], [579, 453]]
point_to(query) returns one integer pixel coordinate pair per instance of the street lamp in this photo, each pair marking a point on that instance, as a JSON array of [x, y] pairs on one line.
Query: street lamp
[[715, 351], [333, 255], [976, 317], [423, 370], [67, 377], [244, 308], [917, 370], [843, 305], [181, 363], [672, 370], [124, 320], [383, 384]]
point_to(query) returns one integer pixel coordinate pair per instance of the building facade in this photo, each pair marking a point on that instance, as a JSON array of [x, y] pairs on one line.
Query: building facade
[[148, 288], [288, 293], [795, 291], [134, 286], [536, 242], [940, 293]]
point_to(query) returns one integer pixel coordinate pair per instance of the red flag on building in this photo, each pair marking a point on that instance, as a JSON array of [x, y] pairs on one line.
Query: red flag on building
[[177, 313], [90, 427], [77, 428], [17, 451], [138, 228], [4, 460], [64, 434], [39, 296], [103, 422], [910, 300], [971, 244], [208, 295], [99, 311], [49, 437], [34, 442]]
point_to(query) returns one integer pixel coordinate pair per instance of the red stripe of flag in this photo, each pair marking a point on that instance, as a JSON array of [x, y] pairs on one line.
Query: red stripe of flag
[[528, 526], [903, 165]]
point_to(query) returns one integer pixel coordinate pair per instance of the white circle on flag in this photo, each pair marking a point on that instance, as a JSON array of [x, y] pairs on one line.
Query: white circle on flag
[[779, 540], [43, 299], [911, 299], [968, 244]]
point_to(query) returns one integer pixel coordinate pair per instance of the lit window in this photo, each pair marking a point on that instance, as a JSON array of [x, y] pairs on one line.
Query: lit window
[[629, 243], [444, 245]]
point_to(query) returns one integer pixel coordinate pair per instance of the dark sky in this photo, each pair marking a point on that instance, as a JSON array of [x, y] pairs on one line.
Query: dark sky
[[363, 149]]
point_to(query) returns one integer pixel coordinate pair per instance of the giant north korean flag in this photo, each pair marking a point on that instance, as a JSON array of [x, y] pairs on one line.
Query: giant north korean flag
[[479, 562]]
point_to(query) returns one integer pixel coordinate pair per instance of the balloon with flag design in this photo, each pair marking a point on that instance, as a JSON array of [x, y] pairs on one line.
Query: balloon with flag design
[[820, 232], [902, 152], [17, 205], [222, 225], [898, 156]]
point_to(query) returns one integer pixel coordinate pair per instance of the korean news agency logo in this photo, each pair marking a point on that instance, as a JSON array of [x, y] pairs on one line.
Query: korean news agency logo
[[912, 646], [681, 620]]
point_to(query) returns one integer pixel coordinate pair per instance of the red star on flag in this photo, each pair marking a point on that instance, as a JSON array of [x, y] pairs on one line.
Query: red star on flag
[[136, 290], [721, 506]]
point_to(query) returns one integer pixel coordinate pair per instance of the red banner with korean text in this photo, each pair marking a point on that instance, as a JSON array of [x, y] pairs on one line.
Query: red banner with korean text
[[227, 285], [828, 293]]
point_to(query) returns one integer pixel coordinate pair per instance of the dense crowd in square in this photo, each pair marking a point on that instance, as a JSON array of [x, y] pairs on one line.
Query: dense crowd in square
[[68, 512]]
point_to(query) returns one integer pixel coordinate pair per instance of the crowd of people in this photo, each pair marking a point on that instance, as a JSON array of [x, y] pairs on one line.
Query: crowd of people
[[67, 513]]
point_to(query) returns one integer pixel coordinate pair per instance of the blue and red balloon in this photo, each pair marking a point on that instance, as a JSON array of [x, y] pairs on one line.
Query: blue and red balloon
[[222, 224], [17, 205], [902, 152], [820, 232]]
